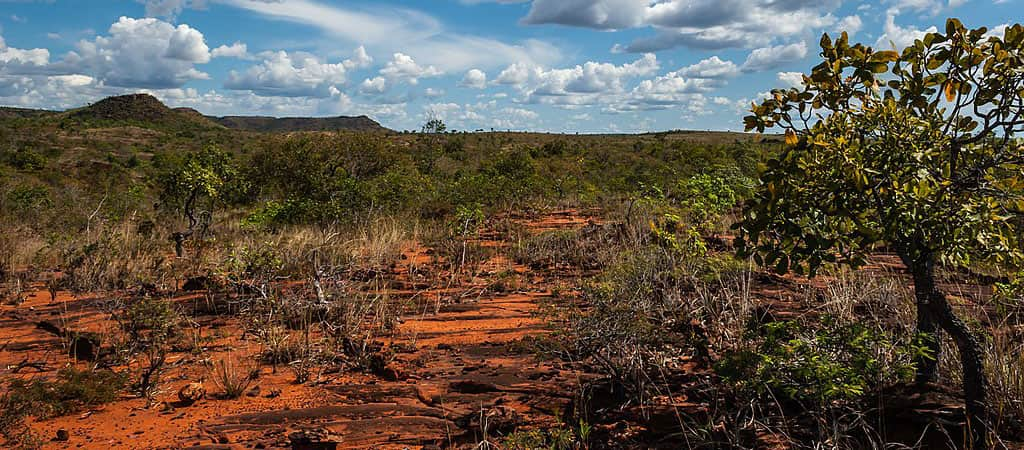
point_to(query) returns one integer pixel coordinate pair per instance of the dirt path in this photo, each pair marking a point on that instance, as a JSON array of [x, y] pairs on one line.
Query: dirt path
[[463, 373]]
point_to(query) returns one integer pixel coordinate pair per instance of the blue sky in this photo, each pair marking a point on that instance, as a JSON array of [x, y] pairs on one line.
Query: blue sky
[[541, 65]]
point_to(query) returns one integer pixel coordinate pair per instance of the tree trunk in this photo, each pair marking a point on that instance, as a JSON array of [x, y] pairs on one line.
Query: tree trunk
[[933, 312]]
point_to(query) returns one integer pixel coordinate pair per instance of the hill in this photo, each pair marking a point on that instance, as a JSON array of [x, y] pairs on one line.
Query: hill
[[286, 124], [137, 109], [147, 111], [13, 113]]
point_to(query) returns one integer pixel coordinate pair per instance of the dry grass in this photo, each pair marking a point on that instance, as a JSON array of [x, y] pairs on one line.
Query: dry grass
[[233, 375]]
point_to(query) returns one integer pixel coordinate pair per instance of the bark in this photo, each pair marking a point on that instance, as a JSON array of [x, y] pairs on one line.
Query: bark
[[927, 328], [936, 313]]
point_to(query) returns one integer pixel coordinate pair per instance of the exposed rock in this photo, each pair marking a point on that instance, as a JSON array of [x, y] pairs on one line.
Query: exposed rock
[[191, 393], [316, 439]]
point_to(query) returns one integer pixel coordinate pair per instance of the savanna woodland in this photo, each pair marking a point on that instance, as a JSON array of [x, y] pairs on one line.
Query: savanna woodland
[[847, 274]]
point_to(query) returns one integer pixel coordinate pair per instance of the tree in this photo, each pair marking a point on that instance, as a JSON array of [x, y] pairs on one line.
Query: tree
[[434, 124], [202, 177], [913, 150]]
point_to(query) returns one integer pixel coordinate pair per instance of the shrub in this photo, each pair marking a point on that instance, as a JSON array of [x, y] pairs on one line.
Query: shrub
[[234, 375], [25, 159], [150, 325], [72, 391], [815, 368], [633, 323]]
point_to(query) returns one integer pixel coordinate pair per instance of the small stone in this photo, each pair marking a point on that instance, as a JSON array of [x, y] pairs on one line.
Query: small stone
[[191, 393], [62, 435]]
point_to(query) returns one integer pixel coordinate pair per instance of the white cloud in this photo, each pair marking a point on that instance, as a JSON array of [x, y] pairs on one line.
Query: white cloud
[[897, 36], [141, 53], [791, 79], [15, 60], [296, 74], [170, 8], [850, 24], [236, 50], [360, 59], [370, 26], [289, 75], [998, 31], [702, 24], [475, 79], [576, 85], [404, 67], [515, 75], [602, 14], [414, 33], [712, 67], [767, 58]]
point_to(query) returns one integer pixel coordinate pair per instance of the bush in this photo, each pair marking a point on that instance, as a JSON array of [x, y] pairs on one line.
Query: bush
[[150, 325], [25, 159], [634, 321], [840, 362], [234, 375], [73, 391]]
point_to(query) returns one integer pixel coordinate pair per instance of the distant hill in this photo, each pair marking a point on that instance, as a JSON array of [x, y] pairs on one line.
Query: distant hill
[[11, 113], [147, 111], [137, 109], [286, 124]]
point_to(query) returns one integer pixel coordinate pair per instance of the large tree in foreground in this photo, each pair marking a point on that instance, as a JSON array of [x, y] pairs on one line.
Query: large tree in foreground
[[913, 150]]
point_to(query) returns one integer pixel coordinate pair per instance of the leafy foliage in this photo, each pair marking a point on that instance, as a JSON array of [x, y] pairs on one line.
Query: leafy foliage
[[73, 390], [838, 362], [913, 159]]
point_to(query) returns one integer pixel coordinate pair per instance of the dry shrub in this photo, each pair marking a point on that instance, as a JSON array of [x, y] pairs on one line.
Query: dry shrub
[[234, 374], [589, 248], [113, 256], [379, 243], [1005, 364], [881, 298]]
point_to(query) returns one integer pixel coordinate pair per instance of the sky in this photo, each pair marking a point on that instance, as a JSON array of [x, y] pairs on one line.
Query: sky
[[588, 66]]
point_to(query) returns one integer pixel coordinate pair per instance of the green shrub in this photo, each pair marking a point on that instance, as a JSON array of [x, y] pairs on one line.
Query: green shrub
[[25, 159], [72, 391], [818, 367]]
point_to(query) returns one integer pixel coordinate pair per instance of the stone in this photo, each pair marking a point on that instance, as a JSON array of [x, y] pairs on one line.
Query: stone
[[191, 393]]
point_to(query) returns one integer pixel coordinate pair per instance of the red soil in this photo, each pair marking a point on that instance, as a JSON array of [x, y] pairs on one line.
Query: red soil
[[459, 372]]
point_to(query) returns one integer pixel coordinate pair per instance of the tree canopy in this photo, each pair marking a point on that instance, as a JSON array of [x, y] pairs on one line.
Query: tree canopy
[[914, 150]]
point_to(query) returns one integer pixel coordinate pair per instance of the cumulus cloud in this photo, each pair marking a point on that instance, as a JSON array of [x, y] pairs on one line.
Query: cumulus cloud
[[767, 58], [236, 50], [712, 67], [375, 85], [136, 53], [475, 79], [296, 74], [286, 74], [895, 36], [360, 59], [850, 24], [602, 14], [515, 74], [791, 79], [15, 60], [141, 53], [170, 8], [404, 67], [702, 24], [575, 85], [669, 90]]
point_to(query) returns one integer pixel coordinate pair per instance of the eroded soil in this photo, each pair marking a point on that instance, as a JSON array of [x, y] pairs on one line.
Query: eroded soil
[[464, 369]]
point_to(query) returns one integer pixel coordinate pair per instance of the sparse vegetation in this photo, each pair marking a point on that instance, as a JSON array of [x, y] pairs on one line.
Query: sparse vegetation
[[414, 278]]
